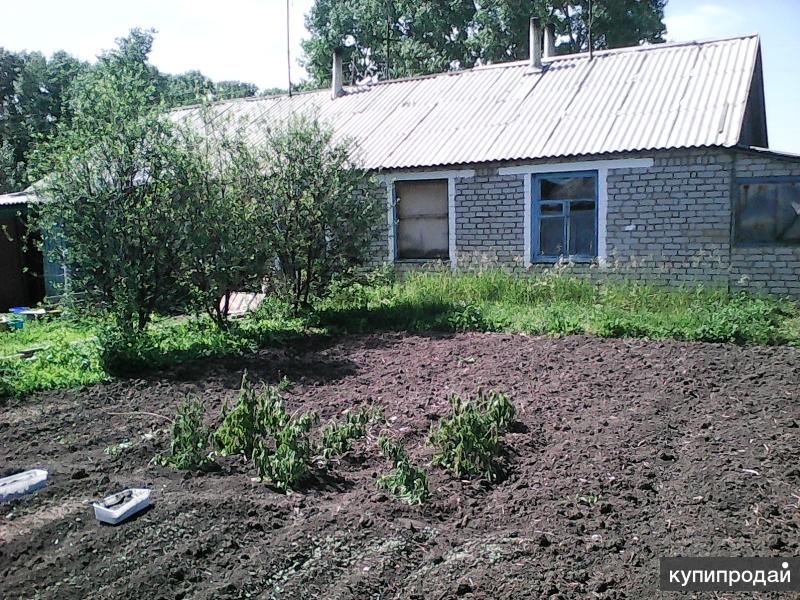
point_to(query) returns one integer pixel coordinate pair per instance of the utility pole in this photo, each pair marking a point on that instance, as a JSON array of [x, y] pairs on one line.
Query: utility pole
[[591, 18], [288, 51]]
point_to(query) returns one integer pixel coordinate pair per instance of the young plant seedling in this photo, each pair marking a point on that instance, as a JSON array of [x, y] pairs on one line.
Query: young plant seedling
[[405, 482]]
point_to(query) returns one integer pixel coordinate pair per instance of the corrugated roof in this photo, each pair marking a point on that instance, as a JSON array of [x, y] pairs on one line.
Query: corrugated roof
[[16, 198], [647, 97]]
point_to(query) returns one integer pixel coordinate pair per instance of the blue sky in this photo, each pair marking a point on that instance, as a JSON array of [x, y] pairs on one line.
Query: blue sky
[[246, 39]]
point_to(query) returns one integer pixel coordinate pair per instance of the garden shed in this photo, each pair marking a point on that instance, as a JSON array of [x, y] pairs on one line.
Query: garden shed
[[650, 161]]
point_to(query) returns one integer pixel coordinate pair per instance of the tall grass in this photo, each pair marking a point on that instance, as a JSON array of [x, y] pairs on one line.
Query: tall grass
[[553, 303]]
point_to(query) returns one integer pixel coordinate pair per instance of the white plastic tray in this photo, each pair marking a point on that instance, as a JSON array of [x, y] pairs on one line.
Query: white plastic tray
[[22, 483], [116, 508]]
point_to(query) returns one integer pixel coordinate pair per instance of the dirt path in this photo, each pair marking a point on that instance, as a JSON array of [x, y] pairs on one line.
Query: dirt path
[[627, 451]]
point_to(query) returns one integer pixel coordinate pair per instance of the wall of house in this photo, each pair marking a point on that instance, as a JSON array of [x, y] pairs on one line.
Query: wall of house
[[774, 269], [668, 223]]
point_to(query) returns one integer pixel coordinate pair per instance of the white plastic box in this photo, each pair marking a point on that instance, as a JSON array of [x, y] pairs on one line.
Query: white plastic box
[[116, 508], [22, 483]]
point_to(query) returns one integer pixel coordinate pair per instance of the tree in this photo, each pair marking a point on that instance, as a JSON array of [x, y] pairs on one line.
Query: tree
[[318, 212], [33, 93], [118, 186], [225, 250], [427, 36]]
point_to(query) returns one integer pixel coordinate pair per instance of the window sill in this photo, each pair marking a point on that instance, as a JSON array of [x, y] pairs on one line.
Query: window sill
[[422, 261], [541, 260]]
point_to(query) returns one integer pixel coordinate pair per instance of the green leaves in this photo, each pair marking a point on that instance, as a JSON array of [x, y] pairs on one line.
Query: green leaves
[[431, 37], [468, 443], [405, 482], [189, 446]]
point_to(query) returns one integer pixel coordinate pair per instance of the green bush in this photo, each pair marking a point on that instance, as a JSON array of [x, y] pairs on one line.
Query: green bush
[[405, 482], [190, 439], [468, 443]]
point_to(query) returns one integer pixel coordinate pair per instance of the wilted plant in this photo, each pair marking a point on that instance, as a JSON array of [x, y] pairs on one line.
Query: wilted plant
[[260, 428], [291, 460], [468, 442], [406, 482], [338, 438], [190, 445]]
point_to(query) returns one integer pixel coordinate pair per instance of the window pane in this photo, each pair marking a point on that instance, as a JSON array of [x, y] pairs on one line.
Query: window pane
[[768, 213], [550, 208], [567, 188], [581, 229], [422, 223], [551, 236], [788, 221]]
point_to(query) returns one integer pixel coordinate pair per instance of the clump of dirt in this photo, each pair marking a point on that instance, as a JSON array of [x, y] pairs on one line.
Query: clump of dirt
[[625, 451]]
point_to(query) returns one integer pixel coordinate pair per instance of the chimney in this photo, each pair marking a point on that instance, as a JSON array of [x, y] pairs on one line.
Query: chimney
[[535, 42], [549, 40], [336, 77]]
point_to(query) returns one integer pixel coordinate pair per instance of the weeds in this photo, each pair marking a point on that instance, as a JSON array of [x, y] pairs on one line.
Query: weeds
[[291, 460], [338, 438], [405, 482], [468, 443]]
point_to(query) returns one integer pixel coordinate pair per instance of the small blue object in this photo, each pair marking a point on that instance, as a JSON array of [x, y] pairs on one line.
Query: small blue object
[[15, 324], [18, 309]]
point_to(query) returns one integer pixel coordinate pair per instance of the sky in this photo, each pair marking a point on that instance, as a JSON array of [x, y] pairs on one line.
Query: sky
[[246, 39]]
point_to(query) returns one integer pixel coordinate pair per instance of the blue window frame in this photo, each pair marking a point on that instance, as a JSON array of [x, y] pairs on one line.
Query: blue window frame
[[564, 216]]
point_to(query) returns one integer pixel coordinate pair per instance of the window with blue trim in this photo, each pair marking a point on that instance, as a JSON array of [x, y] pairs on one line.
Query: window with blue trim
[[564, 216]]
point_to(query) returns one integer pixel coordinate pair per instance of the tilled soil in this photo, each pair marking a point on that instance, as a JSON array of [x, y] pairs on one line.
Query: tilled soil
[[625, 451]]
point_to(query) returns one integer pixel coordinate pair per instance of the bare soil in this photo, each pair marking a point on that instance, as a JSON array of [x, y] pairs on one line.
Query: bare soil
[[626, 451]]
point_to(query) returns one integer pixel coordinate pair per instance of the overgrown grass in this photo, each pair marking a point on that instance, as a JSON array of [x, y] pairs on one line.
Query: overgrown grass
[[44, 333], [490, 300], [558, 304], [70, 360]]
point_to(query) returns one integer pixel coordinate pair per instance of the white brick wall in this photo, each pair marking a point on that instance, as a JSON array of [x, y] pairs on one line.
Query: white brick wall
[[669, 223]]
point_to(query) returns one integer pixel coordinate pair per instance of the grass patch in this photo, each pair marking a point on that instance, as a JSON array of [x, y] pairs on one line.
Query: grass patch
[[70, 360], [43, 333], [558, 304]]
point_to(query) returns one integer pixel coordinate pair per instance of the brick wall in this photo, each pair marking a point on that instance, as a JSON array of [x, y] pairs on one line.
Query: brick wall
[[669, 223], [490, 212]]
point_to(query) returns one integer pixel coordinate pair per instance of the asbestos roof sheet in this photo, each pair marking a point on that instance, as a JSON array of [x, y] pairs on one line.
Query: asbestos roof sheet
[[16, 198], [643, 98]]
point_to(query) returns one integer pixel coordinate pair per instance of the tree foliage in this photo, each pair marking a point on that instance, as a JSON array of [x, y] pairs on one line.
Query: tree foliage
[[318, 211], [428, 36], [38, 94]]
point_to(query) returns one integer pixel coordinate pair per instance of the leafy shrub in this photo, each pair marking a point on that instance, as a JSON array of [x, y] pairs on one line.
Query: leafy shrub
[[469, 441], [337, 438], [190, 445], [257, 414], [406, 482]]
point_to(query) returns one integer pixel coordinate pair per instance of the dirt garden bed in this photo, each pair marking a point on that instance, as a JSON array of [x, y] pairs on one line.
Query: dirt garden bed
[[626, 451]]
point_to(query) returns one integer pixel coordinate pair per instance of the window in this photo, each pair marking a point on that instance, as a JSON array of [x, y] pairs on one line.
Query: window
[[767, 211], [422, 220], [565, 216]]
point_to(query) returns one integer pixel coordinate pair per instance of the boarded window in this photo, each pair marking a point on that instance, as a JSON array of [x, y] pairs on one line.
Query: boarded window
[[768, 212], [422, 223], [565, 216]]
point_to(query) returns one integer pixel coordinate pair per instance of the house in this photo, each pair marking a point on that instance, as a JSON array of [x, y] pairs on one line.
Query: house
[[28, 271], [651, 161]]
